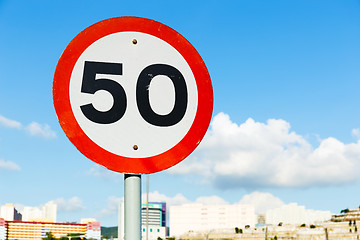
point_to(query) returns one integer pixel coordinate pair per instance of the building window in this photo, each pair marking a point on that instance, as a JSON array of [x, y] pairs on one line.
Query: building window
[[158, 230], [150, 229]]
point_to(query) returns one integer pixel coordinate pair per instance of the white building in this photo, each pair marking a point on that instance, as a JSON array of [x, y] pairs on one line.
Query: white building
[[9, 213], [31, 214], [294, 214], [207, 218], [49, 211], [46, 213]]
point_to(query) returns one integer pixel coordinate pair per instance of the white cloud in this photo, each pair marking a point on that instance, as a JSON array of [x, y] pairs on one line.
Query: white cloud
[[112, 207], [44, 131], [34, 128], [8, 165], [261, 201], [355, 133], [102, 172], [70, 205], [9, 123], [155, 196], [255, 154], [211, 200]]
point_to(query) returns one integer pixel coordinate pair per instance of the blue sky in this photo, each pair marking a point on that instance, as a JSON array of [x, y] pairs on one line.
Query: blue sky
[[285, 123]]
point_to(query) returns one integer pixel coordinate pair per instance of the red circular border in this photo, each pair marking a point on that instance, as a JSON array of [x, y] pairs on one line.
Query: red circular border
[[90, 149]]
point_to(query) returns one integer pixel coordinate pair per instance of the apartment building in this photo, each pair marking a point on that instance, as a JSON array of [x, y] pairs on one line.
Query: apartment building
[[9, 212], [2, 229], [22, 230], [155, 218], [294, 214], [206, 218], [156, 221], [46, 213]]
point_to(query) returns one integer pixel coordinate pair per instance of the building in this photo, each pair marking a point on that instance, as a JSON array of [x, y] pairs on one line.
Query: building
[[93, 230], [31, 214], [156, 221], [22, 230], [157, 214], [294, 214], [207, 218], [347, 215], [9, 212], [2, 229], [47, 213]]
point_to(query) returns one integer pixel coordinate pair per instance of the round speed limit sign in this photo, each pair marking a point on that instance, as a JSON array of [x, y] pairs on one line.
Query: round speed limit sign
[[132, 95]]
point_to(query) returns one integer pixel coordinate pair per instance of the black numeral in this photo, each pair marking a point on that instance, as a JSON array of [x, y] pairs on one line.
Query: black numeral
[[91, 85], [143, 100]]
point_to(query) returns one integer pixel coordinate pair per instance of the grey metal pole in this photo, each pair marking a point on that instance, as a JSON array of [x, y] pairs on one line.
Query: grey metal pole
[[147, 207], [132, 206]]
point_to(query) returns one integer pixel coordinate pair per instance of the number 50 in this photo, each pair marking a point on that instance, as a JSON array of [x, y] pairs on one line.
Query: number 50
[[91, 85]]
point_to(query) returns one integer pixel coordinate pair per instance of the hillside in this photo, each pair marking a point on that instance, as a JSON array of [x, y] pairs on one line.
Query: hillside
[[109, 232]]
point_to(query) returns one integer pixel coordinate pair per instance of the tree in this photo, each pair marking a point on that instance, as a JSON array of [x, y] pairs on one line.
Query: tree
[[280, 224], [247, 226], [236, 230], [303, 225], [49, 236], [75, 236], [344, 211], [312, 226]]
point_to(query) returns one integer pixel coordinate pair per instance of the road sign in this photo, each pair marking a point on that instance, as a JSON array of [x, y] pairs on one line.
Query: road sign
[[132, 95]]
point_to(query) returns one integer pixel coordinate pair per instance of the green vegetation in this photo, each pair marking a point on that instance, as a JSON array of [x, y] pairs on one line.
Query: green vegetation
[[312, 226], [108, 232], [49, 236], [74, 236], [303, 225], [344, 211], [238, 230]]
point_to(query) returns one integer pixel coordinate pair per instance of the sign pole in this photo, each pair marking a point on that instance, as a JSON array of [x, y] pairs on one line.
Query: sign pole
[[132, 206]]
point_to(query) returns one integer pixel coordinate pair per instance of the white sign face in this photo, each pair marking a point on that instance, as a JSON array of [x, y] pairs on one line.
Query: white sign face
[[133, 95], [113, 78]]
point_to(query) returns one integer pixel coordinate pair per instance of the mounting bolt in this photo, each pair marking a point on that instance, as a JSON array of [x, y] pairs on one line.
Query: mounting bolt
[[135, 147]]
